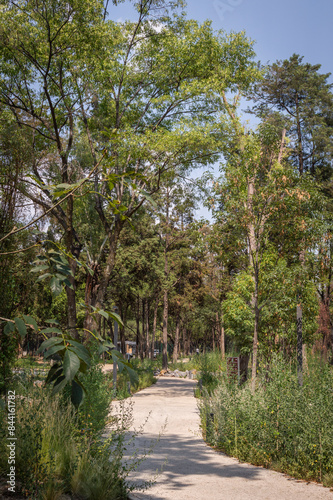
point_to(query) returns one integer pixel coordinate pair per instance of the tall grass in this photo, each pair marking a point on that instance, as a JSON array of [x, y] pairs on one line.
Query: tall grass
[[281, 426], [63, 451]]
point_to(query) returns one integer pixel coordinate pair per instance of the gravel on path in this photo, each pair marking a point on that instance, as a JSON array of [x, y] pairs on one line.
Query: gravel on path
[[188, 468]]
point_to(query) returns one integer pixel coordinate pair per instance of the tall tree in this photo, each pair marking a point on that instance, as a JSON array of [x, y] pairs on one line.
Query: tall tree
[[256, 186], [304, 97], [111, 106]]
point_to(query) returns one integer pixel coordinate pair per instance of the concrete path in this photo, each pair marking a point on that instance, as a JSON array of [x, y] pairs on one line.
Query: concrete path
[[190, 469]]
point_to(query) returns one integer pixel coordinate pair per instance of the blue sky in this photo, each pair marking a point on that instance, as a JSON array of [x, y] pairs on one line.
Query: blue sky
[[278, 27]]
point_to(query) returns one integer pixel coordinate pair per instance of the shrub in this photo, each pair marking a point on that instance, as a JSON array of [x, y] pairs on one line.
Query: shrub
[[282, 425], [62, 450]]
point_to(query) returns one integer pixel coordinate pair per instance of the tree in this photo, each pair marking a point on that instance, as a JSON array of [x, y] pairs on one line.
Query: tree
[[257, 185], [111, 107], [304, 97]]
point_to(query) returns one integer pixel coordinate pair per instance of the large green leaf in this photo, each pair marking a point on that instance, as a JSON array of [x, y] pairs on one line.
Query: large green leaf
[[55, 285], [116, 317], [59, 384], [49, 343], [80, 351], [39, 268], [77, 393], [64, 270], [30, 321], [43, 277], [9, 328], [109, 344], [20, 325], [71, 365], [103, 313], [54, 372], [68, 283], [53, 321], [53, 350]]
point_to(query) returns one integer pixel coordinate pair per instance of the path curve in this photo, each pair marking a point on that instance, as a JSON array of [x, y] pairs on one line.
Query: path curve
[[192, 470]]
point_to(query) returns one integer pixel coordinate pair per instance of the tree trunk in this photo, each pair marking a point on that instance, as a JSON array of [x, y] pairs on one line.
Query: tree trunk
[[175, 348], [75, 250], [187, 344], [95, 295], [123, 315], [213, 337], [255, 334], [222, 336], [253, 260], [147, 328], [165, 295], [299, 140], [154, 328], [184, 340], [143, 319], [138, 336], [165, 330]]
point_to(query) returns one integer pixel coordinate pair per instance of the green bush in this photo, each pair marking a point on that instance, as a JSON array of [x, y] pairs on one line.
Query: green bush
[[95, 408], [8, 354], [62, 450], [282, 426]]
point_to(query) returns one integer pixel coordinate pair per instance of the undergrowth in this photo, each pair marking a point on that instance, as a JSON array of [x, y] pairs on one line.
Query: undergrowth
[[281, 426], [60, 450]]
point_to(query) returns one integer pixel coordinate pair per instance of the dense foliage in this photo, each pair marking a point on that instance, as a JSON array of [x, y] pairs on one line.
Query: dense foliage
[[282, 426], [102, 123]]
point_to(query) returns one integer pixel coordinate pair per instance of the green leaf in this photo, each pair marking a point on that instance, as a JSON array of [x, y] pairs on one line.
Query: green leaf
[[80, 351], [108, 343], [43, 277], [149, 198], [55, 286], [20, 325], [59, 384], [64, 270], [77, 393], [116, 317], [49, 343], [90, 271], [51, 329], [63, 186], [103, 313], [71, 365], [40, 259], [53, 350], [54, 321], [68, 283], [30, 321], [54, 373], [122, 208], [118, 358], [102, 349], [39, 268], [9, 328]]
